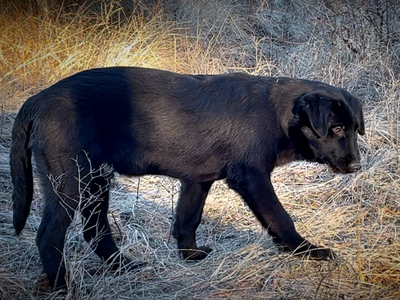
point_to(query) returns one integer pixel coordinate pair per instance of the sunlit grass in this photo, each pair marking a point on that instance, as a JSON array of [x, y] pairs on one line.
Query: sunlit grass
[[37, 52]]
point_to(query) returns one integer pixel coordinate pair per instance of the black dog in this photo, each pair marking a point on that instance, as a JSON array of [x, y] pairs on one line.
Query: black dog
[[195, 128]]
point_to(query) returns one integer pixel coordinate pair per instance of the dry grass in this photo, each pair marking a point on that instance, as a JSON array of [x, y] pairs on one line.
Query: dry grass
[[357, 215]]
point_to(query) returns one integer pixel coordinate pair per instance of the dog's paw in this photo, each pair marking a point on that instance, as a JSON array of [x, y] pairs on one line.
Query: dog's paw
[[195, 254], [313, 252], [122, 263]]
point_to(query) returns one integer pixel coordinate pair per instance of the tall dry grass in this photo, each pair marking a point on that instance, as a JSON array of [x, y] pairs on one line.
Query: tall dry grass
[[340, 42], [36, 52]]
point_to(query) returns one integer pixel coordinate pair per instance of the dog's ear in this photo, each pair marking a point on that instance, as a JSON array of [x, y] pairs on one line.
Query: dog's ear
[[360, 121], [355, 105], [318, 109]]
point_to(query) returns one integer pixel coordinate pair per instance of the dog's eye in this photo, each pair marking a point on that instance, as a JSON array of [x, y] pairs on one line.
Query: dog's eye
[[339, 130]]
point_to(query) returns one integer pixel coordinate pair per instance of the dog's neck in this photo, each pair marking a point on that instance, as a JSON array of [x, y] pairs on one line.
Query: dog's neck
[[296, 147]]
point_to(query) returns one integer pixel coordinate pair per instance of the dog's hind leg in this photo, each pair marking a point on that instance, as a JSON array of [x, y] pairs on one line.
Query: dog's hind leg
[[188, 216], [58, 212], [97, 230], [65, 182]]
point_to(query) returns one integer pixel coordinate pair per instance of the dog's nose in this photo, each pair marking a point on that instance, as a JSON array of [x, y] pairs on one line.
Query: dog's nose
[[354, 167]]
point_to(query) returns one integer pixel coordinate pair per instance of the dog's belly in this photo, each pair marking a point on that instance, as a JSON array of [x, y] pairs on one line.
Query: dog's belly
[[183, 163]]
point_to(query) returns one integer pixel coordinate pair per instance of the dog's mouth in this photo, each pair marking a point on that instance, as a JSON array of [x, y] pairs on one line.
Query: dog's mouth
[[337, 170], [336, 167]]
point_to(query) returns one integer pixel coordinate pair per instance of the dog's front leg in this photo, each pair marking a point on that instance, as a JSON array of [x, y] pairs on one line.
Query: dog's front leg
[[256, 189], [188, 216]]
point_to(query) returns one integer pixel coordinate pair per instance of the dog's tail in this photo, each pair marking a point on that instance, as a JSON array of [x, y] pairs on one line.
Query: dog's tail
[[21, 167]]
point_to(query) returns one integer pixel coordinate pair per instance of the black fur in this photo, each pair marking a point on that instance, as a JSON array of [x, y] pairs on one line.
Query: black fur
[[195, 128]]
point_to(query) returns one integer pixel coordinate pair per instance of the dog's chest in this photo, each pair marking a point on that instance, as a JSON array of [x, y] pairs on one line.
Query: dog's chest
[[285, 156]]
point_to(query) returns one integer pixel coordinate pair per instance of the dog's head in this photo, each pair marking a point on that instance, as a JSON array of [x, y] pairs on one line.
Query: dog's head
[[327, 129]]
